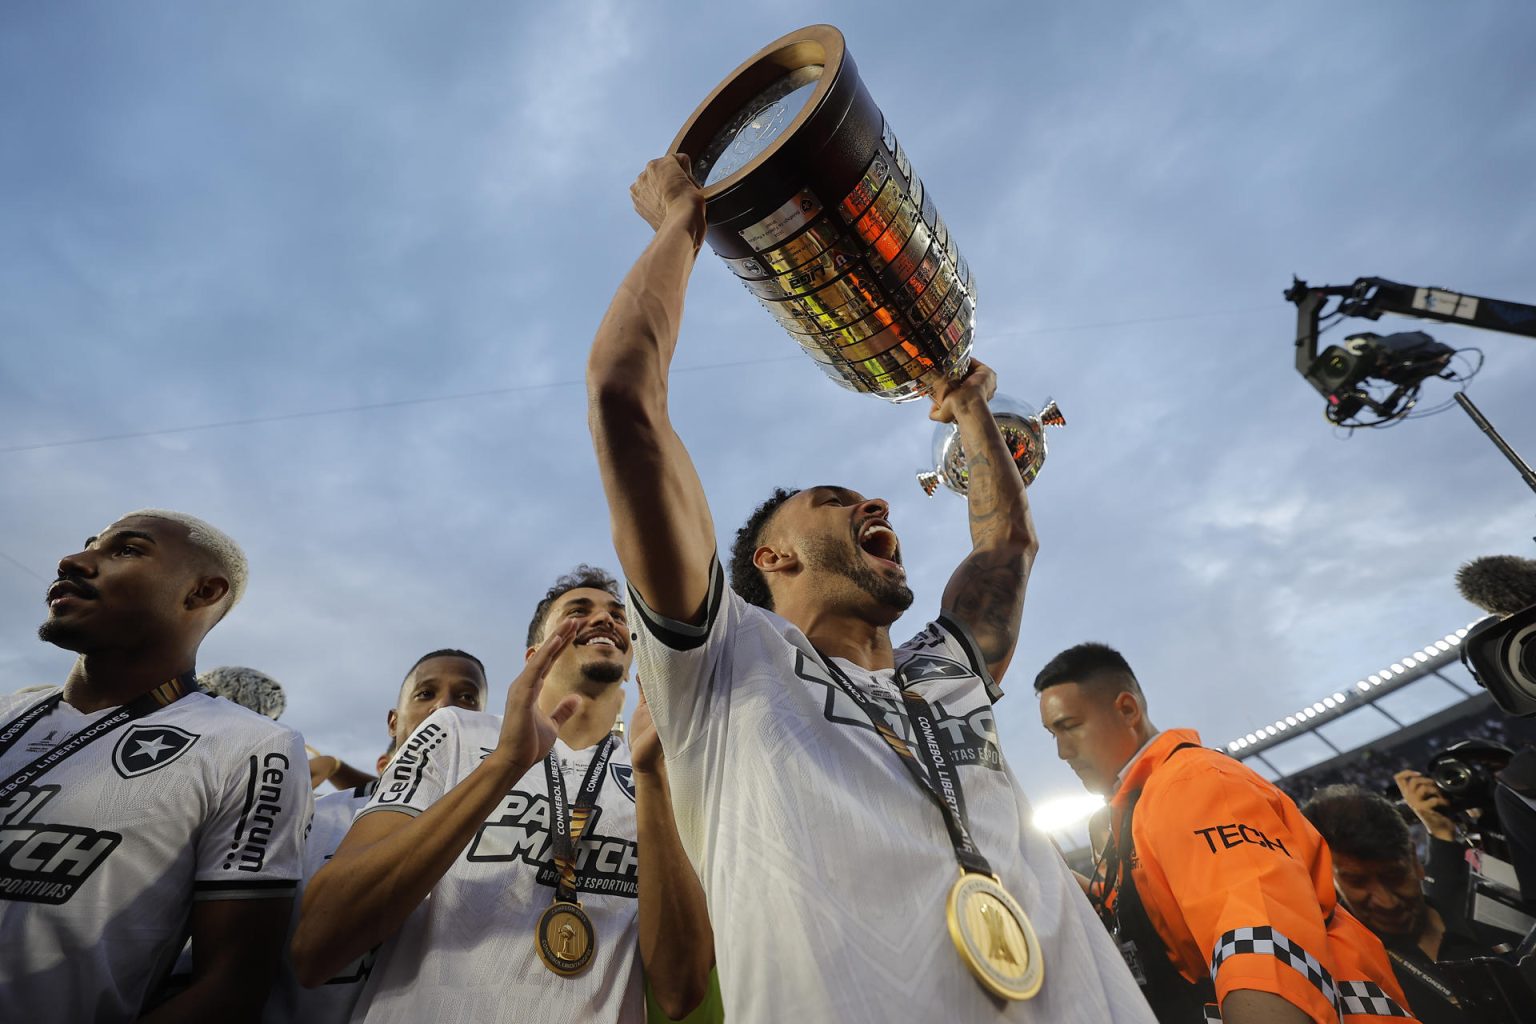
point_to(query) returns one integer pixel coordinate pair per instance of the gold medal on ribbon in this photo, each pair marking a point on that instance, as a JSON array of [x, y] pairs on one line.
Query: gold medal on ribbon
[[565, 938], [994, 937]]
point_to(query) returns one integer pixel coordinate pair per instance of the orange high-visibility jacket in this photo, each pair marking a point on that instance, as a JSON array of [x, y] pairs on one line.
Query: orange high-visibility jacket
[[1239, 886]]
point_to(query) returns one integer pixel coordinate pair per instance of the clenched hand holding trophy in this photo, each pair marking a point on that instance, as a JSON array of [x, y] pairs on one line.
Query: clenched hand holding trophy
[[812, 203]]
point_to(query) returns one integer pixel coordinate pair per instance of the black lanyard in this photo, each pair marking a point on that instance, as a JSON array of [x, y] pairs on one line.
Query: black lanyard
[[568, 822], [941, 782], [161, 696], [1425, 978]]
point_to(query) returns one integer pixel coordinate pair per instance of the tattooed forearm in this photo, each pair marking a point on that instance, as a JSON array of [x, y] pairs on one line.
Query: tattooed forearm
[[989, 599], [987, 590]]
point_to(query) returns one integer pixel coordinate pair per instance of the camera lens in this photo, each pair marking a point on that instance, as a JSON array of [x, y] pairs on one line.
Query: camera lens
[[1453, 777]]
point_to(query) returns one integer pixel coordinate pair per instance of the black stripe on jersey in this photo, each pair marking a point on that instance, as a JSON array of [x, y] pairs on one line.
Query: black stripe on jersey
[[962, 635], [246, 889], [245, 883], [684, 636], [250, 801]]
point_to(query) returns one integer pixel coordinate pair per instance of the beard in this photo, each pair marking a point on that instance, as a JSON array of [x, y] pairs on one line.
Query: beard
[[844, 559], [64, 636], [603, 673]]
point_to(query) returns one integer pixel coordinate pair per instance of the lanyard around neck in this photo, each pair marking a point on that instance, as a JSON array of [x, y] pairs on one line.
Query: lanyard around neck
[[568, 821], [162, 696], [941, 782]]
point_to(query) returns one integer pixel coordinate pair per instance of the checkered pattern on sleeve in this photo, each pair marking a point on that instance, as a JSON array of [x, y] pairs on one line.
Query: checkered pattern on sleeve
[[1366, 997], [1266, 941]]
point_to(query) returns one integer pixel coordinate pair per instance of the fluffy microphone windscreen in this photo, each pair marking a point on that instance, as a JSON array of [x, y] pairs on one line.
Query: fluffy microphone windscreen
[[1499, 584], [246, 687]]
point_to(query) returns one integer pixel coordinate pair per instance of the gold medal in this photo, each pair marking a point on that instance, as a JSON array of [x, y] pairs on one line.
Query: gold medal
[[565, 938], [994, 937]]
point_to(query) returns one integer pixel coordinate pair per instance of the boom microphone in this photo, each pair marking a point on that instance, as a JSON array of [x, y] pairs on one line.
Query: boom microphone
[[1499, 584]]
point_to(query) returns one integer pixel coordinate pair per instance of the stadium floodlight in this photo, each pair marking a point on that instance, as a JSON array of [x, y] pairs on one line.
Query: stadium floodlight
[[1363, 686], [1066, 812], [1290, 719], [1319, 707], [1374, 680], [1339, 697], [1461, 634], [1329, 702], [1441, 645]]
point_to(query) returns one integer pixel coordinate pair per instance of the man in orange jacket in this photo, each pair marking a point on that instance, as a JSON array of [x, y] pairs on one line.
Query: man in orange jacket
[[1218, 891]]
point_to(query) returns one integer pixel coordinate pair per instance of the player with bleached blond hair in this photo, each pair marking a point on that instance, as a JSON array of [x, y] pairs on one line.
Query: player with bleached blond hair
[[134, 808]]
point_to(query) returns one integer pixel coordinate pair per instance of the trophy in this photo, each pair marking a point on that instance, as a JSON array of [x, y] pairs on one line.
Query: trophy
[[811, 202]]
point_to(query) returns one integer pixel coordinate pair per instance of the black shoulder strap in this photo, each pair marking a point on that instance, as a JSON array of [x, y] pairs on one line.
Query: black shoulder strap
[[1172, 997]]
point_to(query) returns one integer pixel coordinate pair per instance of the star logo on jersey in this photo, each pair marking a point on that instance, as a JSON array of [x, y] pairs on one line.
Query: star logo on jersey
[[624, 775], [144, 748], [920, 668]]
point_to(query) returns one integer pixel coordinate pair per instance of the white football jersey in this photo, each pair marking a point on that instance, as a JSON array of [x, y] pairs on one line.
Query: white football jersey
[[826, 868], [332, 1002], [467, 952], [101, 858]]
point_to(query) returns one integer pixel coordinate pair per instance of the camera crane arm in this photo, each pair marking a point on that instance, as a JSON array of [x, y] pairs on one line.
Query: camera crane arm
[[1369, 297]]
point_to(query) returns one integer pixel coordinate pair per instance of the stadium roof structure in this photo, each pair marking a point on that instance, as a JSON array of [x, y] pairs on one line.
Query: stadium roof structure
[[1429, 662]]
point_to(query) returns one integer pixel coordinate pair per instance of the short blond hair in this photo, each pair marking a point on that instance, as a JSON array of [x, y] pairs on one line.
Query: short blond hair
[[213, 542]]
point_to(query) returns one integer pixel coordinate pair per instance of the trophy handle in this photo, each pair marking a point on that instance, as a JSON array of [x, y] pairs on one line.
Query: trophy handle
[[1023, 430]]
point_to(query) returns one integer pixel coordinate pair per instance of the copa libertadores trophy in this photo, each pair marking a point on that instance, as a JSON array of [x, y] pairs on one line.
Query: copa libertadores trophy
[[812, 203]]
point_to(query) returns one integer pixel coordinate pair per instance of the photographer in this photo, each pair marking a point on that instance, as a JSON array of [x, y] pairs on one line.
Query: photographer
[[1379, 878]]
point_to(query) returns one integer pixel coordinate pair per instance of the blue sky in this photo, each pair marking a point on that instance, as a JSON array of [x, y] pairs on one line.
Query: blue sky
[[219, 213]]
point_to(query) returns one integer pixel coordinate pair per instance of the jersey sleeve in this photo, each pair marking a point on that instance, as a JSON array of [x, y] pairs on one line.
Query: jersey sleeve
[[253, 845], [1228, 855], [950, 636], [681, 666], [422, 770]]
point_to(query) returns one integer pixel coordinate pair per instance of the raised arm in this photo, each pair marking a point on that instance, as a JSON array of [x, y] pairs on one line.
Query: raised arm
[[986, 592], [389, 861], [662, 530]]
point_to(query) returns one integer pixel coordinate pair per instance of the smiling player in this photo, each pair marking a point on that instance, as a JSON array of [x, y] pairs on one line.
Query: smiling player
[[522, 827]]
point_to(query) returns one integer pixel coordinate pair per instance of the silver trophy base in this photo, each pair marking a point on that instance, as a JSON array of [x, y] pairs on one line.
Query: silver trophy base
[[1023, 432]]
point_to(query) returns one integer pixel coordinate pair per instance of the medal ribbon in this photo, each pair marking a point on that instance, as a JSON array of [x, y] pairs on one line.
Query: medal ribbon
[[940, 781], [568, 822], [164, 695]]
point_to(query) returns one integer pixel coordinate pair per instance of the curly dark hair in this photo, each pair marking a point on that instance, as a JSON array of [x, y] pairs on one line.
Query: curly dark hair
[[747, 579], [1358, 823], [582, 576]]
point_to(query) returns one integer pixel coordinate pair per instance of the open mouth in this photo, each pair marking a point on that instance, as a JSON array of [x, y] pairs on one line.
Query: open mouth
[[878, 539]]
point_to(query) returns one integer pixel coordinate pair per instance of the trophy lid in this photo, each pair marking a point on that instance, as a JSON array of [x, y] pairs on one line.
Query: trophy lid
[[759, 107]]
